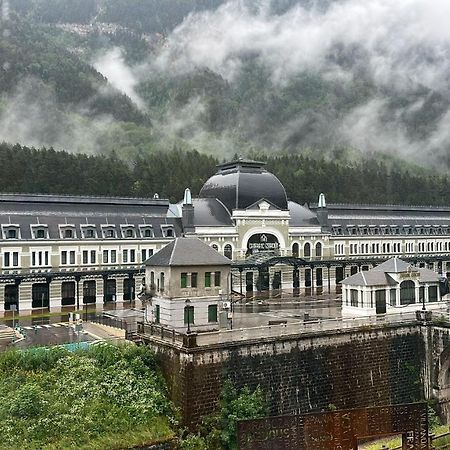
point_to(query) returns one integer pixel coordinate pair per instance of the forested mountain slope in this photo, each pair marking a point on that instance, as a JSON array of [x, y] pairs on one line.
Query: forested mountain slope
[[226, 76], [168, 173]]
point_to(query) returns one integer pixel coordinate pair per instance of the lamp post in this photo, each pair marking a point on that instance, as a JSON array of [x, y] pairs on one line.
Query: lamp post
[[188, 314]]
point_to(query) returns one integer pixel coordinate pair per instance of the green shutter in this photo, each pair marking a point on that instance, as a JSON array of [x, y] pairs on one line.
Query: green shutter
[[212, 313], [184, 280], [157, 314], [207, 279]]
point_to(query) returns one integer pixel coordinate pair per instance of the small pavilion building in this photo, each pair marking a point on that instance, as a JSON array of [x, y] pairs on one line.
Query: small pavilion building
[[391, 287], [189, 282]]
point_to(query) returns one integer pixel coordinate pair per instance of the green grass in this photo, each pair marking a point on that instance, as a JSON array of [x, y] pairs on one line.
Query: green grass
[[396, 442], [103, 397]]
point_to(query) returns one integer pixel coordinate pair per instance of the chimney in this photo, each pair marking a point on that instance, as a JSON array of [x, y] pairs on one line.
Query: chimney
[[322, 212], [187, 212]]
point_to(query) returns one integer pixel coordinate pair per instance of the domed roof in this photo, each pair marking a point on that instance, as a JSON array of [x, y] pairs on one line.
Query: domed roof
[[239, 184]]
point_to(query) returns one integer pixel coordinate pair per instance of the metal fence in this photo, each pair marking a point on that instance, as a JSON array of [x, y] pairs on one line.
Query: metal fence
[[274, 330], [160, 332], [101, 319]]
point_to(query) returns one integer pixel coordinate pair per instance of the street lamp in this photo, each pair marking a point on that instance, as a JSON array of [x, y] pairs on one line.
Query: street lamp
[[188, 314], [423, 301]]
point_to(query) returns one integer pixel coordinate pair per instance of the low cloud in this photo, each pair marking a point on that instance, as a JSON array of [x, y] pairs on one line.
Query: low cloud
[[111, 64]]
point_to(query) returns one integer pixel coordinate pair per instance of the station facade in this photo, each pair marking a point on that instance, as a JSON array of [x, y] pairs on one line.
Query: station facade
[[58, 251]]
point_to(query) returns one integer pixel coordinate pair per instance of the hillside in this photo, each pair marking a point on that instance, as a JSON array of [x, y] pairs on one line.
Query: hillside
[[323, 77], [168, 173]]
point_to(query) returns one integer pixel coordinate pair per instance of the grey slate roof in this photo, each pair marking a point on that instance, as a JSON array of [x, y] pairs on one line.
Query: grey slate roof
[[54, 210], [187, 251], [379, 276], [393, 265], [378, 215], [369, 278], [301, 216]]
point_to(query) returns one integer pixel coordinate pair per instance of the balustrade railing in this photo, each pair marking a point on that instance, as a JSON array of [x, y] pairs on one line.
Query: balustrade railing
[[306, 326]]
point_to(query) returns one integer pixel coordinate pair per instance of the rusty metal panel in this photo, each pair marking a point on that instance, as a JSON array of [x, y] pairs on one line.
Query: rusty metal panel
[[337, 430]]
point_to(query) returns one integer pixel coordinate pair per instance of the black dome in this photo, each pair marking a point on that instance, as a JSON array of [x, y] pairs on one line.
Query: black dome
[[240, 184]]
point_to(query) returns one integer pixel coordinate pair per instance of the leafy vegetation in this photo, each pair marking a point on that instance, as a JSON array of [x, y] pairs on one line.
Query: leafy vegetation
[[102, 397], [168, 173], [218, 432]]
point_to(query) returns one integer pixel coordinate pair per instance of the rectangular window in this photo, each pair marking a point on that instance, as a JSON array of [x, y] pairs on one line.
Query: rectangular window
[[132, 256], [33, 258], [93, 257], [85, 256], [72, 257], [207, 279], [15, 259], [212, 313], [46, 258], [105, 256], [40, 258], [393, 297], [143, 254], [63, 257], [157, 314], [113, 256], [432, 294], [125, 256], [194, 277], [7, 261], [216, 278], [353, 297], [183, 281]]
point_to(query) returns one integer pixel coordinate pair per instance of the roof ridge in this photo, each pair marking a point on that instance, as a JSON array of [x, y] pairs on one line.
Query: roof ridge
[[363, 277], [173, 250]]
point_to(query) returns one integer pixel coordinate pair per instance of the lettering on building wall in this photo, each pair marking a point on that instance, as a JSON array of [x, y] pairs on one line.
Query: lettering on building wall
[[337, 429], [263, 242]]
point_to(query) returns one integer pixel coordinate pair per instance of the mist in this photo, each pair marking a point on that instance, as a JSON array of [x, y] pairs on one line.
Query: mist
[[400, 48], [111, 64]]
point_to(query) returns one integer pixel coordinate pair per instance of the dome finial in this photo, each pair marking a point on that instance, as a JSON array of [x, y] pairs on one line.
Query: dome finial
[[187, 197], [322, 202]]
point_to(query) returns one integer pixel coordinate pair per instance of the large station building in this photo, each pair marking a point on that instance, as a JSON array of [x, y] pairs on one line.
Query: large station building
[[59, 251]]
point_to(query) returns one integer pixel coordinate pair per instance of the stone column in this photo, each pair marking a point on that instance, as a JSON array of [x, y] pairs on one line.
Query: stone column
[[99, 291], [119, 290], [25, 300], [55, 295], [2, 297]]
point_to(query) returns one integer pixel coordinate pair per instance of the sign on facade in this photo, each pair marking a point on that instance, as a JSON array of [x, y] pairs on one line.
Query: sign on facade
[[263, 242], [337, 430]]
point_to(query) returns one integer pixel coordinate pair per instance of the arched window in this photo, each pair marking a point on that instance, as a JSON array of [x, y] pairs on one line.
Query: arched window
[[215, 247], [295, 250], [307, 250], [319, 249], [228, 251], [407, 292]]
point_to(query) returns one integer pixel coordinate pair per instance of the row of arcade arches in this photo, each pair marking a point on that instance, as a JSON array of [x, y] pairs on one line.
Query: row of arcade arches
[[307, 250]]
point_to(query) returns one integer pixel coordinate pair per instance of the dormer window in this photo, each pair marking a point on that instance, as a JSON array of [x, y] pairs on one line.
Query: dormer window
[[88, 231], [39, 231], [127, 232], [146, 232], [109, 232], [67, 231], [168, 231], [11, 234]]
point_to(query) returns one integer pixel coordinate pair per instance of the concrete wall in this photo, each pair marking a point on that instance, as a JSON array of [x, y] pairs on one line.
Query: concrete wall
[[300, 374]]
